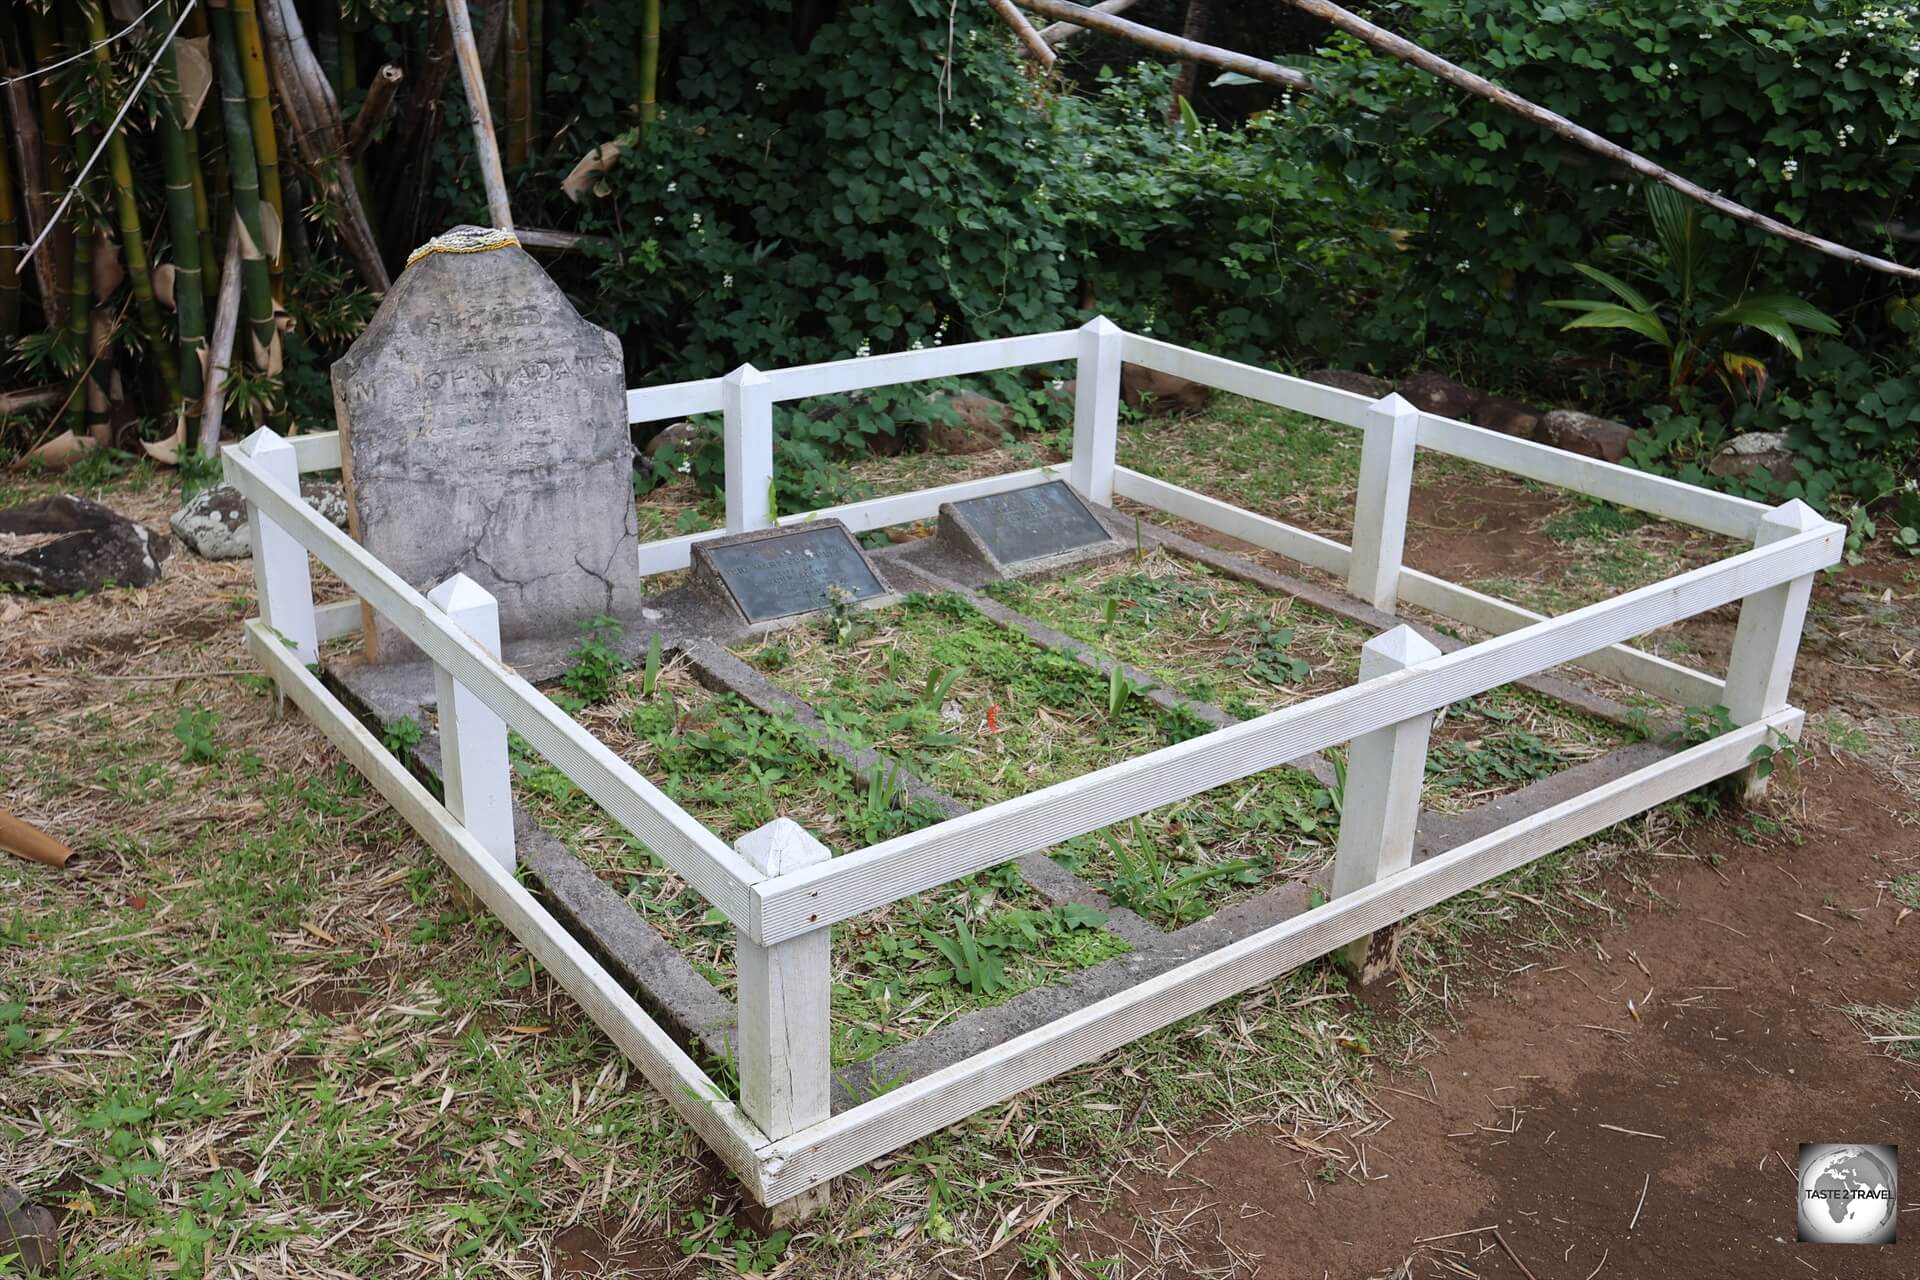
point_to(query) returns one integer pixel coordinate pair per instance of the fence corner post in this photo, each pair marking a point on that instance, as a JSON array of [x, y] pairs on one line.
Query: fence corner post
[[1767, 639], [473, 739], [282, 579], [1381, 805], [1380, 505], [785, 1014], [1096, 410], [746, 407]]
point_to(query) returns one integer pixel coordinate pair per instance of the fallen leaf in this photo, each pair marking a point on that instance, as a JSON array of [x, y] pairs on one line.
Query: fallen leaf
[[586, 173], [530, 1030], [138, 901], [319, 933]]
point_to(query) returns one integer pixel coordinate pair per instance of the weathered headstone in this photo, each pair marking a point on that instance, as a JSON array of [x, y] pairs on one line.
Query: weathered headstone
[[483, 429], [777, 573], [1040, 528]]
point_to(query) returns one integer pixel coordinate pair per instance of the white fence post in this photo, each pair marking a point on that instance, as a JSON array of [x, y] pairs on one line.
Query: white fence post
[[746, 404], [473, 739], [1380, 506], [1768, 637], [1096, 410], [1385, 770], [785, 1026], [282, 578]]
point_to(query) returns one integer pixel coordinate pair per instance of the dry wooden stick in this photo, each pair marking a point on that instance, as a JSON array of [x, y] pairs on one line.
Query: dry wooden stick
[[226, 319], [373, 109], [1041, 52], [474, 77], [1059, 31], [1185, 50], [1480, 86]]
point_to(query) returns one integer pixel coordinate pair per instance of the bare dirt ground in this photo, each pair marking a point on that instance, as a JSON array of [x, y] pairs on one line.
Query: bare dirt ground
[[1632, 1107]]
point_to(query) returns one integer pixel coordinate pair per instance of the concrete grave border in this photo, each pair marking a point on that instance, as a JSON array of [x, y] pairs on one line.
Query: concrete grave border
[[784, 1137]]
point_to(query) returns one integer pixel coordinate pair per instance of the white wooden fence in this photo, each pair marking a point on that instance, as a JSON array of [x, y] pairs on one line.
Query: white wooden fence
[[783, 892]]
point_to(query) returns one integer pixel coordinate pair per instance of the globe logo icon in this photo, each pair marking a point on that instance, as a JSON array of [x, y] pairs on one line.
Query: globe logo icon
[[1848, 1194]]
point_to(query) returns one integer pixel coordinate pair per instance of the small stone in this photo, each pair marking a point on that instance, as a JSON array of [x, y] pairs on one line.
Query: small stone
[[1754, 451], [213, 523], [683, 438], [1438, 394], [1361, 384], [29, 1231], [69, 544], [1162, 394], [1509, 417], [978, 423], [1586, 434]]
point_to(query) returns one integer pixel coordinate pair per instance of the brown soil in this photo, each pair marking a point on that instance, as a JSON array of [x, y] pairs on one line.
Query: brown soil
[[1499, 1161]]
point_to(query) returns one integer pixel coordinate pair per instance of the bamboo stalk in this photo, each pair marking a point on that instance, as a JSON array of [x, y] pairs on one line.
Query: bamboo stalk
[[38, 204], [79, 302], [473, 75], [189, 294], [326, 46], [133, 240], [649, 65], [536, 64], [256, 285], [266, 145], [226, 318], [56, 135], [313, 119], [103, 388], [415, 153], [9, 255], [518, 90]]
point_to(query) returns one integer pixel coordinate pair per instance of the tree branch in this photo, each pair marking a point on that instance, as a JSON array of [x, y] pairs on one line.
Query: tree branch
[[1037, 48], [1433, 64], [1059, 31]]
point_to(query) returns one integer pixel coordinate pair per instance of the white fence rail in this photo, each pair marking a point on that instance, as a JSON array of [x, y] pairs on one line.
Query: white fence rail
[[783, 895]]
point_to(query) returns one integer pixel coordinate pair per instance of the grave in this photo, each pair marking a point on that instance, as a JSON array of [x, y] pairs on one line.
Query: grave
[[1042, 529], [483, 431]]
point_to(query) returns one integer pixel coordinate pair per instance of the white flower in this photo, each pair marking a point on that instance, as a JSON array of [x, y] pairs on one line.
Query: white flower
[[1673, 68], [1059, 384], [726, 281], [916, 345], [1840, 63], [1463, 266], [657, 219], [866, 348], [1752, 163], [673, 186], [761, 87], [1909, 76], [1790, 168]]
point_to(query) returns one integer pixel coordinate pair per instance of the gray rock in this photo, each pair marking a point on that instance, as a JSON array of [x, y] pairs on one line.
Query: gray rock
[[485, 426], [213, 523], [60, 546], [28, 1231], [1438, 394], [1509, 417], [1361, 384], [1586, 434], [1754, 451], [977, 423], [682, 437]]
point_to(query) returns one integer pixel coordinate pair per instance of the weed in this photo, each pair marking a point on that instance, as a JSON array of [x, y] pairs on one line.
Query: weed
[[1269, 659], [402, 736], [1593, 521], [714, 1236], [194, 728], [974, 967], [1906, 889], [650, 676], [596, 666], [1148, 883]]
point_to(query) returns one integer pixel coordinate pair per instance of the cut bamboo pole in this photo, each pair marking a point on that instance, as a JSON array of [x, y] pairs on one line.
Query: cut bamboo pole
[[1037, 48], [1434, 65], [1185, 50], [1059, 32], [473, 75], [226, 319], [80, 306], [373, 110], [37, 203]]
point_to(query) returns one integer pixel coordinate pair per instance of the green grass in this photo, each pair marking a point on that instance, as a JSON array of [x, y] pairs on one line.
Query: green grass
[[735, 768], [1901, 1027], [1242, 649]]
